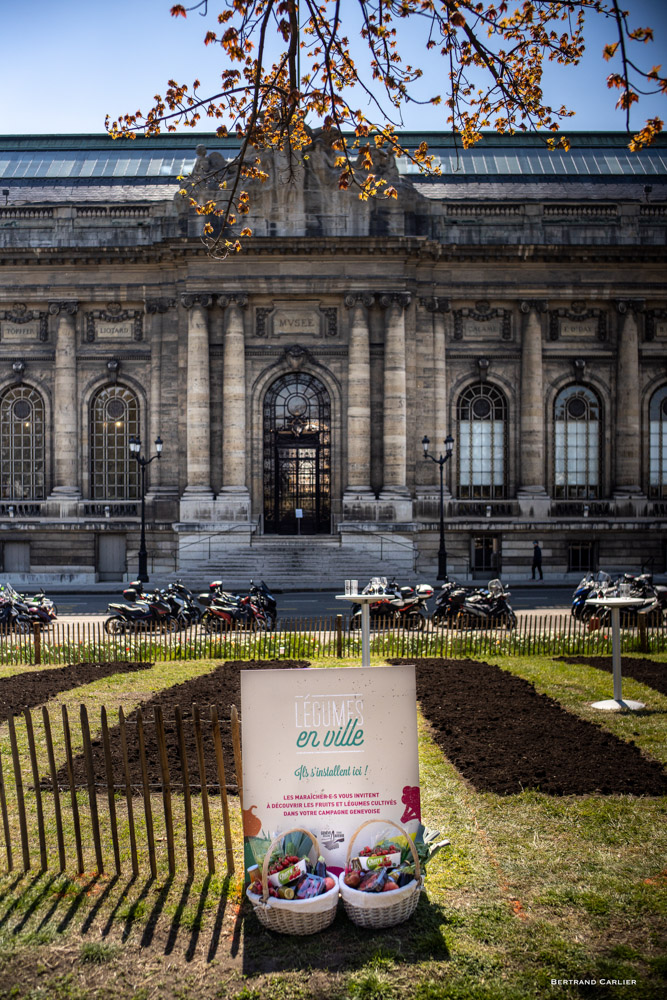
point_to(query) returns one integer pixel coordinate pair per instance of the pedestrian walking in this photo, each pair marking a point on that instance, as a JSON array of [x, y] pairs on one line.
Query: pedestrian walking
[[537, 560]]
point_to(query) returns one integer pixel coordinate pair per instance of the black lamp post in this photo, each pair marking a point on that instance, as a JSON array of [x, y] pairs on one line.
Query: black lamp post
[[441, 460], [142, 462]]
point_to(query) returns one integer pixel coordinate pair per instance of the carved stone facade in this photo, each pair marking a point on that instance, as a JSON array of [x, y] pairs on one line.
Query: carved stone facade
[[292, 383]]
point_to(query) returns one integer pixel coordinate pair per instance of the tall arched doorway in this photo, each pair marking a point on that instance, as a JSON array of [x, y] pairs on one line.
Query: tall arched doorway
[[297, 456]]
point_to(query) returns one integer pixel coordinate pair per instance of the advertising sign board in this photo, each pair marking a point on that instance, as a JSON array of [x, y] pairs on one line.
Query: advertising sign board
[[327, 750]]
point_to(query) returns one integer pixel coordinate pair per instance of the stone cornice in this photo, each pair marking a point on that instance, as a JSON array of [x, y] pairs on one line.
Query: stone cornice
[[408, 248]]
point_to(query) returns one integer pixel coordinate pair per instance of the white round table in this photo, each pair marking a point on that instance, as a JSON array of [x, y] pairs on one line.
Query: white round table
[[365, 600], [616, 605]]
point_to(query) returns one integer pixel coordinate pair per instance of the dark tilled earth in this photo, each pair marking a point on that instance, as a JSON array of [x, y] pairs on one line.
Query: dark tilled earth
[[221, 687], [35, 687], [649, 672], [504, 737], [500, 733]]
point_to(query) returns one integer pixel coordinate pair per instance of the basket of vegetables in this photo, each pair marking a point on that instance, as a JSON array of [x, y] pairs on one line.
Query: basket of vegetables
[[294, 895], [381, 886]]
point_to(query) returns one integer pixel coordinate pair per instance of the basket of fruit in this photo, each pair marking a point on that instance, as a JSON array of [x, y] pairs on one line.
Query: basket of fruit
[[294, 895], [381, 886]]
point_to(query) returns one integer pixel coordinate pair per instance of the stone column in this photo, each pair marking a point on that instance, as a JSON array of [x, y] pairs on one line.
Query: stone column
[[155, 309], [395, 403], [531, 419], [359, 397], [628, 415], [197, 400], [65, 403], [234, 399]]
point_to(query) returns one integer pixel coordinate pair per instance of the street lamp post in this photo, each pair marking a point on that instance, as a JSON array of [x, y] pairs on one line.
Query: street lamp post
[[142, 462], [441, 461]]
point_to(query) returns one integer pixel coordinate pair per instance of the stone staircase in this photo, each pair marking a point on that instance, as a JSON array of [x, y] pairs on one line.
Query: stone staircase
[[299, 563]]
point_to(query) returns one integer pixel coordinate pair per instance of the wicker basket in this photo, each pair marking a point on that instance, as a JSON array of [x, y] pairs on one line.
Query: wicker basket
[[382, 909], [288, 916]]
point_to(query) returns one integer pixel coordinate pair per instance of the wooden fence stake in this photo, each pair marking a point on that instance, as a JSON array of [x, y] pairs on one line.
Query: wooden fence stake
[[210, 856], [339, 636], [37, 641], [148, 811], [92, 791], [44, 861], [238, 760], [54, 785], [187, 799], [72, 787], [128, 791], [166, 788], [23, 823], [5, 819], [111, 790], [215, 723]]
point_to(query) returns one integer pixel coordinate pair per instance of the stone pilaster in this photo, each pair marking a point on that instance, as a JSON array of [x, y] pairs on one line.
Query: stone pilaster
[[65, 403], [532, 493], [395, 403], [155, 310], [234, 468], [198, 422], [359, 399], [627, 434], [437, 307]]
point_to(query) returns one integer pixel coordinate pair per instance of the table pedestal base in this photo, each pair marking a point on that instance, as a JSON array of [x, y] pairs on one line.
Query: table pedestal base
[[611, 705]]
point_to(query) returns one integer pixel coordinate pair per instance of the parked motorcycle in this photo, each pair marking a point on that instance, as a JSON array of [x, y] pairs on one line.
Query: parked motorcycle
[[153, 613], [224, 613], [259, 594], [486, 610], [404, 606]]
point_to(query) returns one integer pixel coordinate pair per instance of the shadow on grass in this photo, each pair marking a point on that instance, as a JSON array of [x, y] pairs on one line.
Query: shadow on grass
[[217, 924], [344, 945], [34, 905], [178, 916], [99, 903], [19, 896]]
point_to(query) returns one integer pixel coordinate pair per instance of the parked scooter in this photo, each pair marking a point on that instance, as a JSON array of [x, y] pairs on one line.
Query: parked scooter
[[449, 601], [153, 613], [481, 610], [404, 606], [592, 585], [39, 611], [12, 619]]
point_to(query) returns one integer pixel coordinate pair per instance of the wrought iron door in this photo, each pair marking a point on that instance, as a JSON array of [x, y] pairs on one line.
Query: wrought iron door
[[296, 456]]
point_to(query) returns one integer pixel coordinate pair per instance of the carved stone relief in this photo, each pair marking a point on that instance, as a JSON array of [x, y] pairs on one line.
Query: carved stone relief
[[114, 323], [20, 324]]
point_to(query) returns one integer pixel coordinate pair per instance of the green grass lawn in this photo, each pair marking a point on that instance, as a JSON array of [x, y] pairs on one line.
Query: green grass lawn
[[534, 888]]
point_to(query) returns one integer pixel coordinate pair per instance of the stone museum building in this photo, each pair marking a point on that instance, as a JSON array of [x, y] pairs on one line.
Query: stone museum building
[[517, 302]]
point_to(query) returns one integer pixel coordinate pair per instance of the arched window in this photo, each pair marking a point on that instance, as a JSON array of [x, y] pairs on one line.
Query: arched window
[[22, 444], [482, 445], [657, 416], [297, 455], [114, 416], [577, 459]]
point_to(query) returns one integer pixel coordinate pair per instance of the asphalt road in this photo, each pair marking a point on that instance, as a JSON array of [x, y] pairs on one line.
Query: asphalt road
[[538, 596]]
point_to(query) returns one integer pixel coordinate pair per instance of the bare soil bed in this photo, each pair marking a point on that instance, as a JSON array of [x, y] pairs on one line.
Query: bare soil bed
[[649, 672], [505, 737], [221, 687], [38, 686]]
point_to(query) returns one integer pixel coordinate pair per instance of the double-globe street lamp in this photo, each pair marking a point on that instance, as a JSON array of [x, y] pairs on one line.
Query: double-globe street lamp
[[441, 460], [142, 462]]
